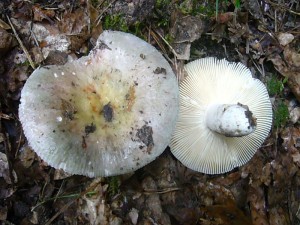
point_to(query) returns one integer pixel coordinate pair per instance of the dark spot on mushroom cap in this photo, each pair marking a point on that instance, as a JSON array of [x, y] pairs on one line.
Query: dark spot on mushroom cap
[[68, 110], [83, 143], [145, 135], [108, 112], [89, 129], [249, 115], [159, 70], [102, 46]]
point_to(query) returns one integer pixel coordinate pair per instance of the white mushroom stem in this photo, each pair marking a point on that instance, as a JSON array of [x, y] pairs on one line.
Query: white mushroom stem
[[231, 120]]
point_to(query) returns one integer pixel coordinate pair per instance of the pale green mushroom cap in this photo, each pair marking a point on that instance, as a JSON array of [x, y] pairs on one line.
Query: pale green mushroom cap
[[211, 83], [105, 114]]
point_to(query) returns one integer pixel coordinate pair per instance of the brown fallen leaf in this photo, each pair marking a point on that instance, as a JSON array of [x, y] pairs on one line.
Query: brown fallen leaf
[[224, 17], [279, 216], [185, 30], [40, 14], [76, 25], [225, 215], [184, 215], [289, 67], [4, 25], [257, 205], [291, 142], [3, 213], [7, 42]]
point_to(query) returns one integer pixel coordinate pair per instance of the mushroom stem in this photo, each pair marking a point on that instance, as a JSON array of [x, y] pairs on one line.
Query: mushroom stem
[[231, 120]]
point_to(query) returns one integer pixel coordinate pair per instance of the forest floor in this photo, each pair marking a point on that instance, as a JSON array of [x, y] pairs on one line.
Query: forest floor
[[263, 35]]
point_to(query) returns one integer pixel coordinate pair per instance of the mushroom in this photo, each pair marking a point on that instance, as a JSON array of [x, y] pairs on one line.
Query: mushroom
[[105, 114], [224, 116]]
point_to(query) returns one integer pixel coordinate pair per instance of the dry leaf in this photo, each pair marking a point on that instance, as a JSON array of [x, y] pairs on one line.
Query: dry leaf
[[285, 38], [40, 14], [289, 67], [227, 214], [257, 204], [291, 142]]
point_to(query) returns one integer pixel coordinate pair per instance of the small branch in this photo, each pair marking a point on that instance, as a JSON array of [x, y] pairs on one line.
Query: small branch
[[21, 43]]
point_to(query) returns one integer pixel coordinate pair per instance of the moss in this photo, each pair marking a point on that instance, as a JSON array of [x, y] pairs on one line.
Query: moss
[[115, 22], [195, 7], [160, 4], [137, 29], [113, 185], [94, 3], [118, 22], [275, 86], [161, 15], [281, 114]]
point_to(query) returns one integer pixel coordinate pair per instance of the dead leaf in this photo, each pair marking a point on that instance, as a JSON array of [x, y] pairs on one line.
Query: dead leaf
[[76, 25], [3, 213], [210, 194], [40, 14], [225, 215], [292, 57], [279, 216], [6, 42], [266, 174], [26, 156], [4, 25], [285, 38], [291, 142], [185, 30], [153, 203], [4, 169], [289, 67], [94, 208], [257, 206], [224, 17]]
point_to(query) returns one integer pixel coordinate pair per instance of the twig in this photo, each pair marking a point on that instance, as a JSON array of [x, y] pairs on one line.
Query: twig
[[103, 11], [167, 43], [77, 196], [21, 44], [162, 191], [19, 143], [178, 73], [154, 35], [261, 70], [62, 209], [283, 7]]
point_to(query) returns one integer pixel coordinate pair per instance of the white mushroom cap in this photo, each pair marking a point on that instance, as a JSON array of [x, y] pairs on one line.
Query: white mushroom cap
[[199, 141], [109, 113]]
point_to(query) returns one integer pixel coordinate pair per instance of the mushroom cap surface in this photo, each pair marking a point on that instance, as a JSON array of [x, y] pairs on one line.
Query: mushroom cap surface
[[105, 114], [211, 81]]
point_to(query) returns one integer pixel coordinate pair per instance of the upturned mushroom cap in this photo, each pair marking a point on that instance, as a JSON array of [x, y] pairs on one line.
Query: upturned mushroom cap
[[203, 140], [105, 114]]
